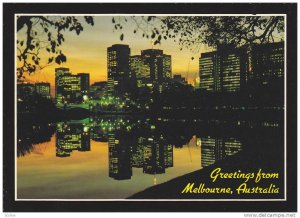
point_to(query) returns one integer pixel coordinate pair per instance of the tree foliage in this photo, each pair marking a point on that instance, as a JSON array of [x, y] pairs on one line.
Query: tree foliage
[[192, 31], [44, 34]]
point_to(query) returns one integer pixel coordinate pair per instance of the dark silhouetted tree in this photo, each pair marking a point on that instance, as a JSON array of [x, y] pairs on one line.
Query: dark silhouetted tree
[[192, 31], [44, 33]]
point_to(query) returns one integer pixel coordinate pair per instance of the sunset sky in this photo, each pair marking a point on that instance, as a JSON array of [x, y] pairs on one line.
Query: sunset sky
[[88, 51]]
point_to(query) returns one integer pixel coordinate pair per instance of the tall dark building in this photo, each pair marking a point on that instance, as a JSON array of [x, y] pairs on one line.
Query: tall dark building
[[206, 69], [120, 79], [71, 88], [151, 69], [223, 70], [141, 70], [230, 69], [160, 65], [84, 83], [266, 63]]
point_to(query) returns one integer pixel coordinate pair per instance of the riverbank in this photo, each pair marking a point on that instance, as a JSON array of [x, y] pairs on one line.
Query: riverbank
[[266, 156]]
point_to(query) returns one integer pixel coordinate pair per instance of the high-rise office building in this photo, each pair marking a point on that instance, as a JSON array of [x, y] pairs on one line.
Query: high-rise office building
[[230, 69], [140, 69], [70, 88], [223, 70], [120, 79], [207, 72], [84, 83], [159, 64], [151, 69], [233, 68], [43, 89], [266, 62]]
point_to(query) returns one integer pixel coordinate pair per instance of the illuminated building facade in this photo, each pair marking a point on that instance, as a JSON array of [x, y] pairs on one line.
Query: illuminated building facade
[[140, 70], [266, 62], [120, 78], [206, 69], [43, 89], [70, 88], [159, 64], [223, 70], [230, 69]]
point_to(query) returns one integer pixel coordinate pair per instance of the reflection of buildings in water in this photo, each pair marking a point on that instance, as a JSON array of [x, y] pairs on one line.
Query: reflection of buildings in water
[[71, 136], [215, 149], [157, 155], [138, 153], [119, 156], [98, 135]]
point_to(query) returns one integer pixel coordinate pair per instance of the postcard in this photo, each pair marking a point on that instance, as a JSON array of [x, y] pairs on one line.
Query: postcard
[[150, 107]]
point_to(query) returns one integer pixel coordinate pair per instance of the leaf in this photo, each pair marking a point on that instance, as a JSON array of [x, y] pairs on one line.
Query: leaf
[[122, 37], [50, 60], [113, 20], [60, 59], [153, 35]]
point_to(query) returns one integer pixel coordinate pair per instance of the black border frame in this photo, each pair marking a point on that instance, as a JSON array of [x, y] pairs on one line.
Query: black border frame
[[9, 203]]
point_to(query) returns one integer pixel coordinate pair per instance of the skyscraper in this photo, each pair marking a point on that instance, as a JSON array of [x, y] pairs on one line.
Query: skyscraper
[[119, 77], [266, 62], [206, 69], [232, 68], [152, 68], [159, 64], [140, 70], [223, 70], [84, 83], [70, 88]]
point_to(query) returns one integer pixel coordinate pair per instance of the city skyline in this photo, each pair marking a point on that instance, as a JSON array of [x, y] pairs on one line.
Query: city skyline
[[87, 52]]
